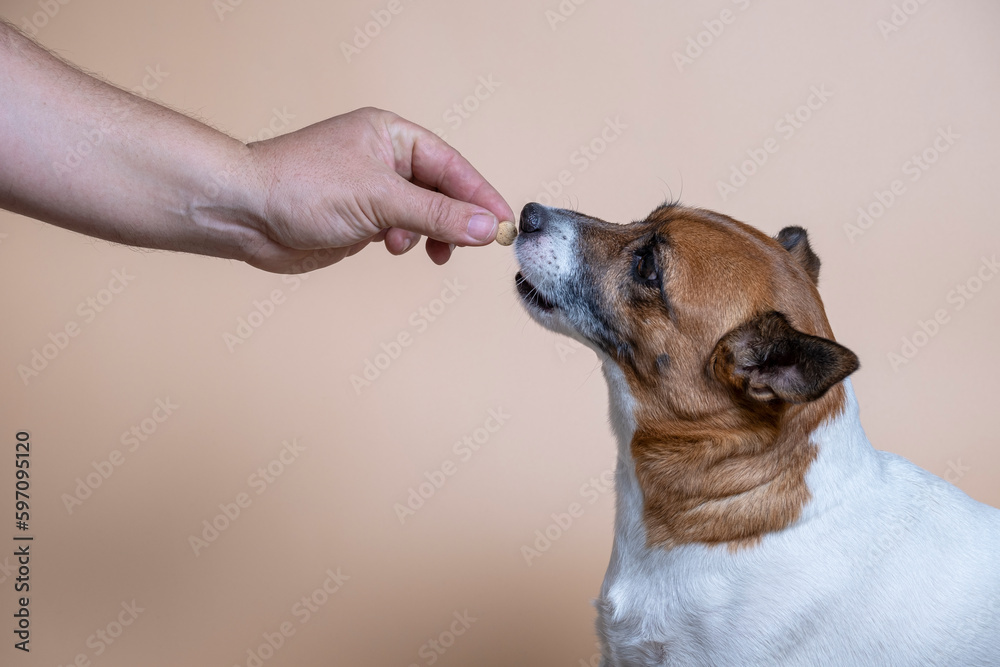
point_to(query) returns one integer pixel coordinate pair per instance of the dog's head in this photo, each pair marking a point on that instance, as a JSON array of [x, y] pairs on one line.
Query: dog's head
[[720, 334], [692, 305]]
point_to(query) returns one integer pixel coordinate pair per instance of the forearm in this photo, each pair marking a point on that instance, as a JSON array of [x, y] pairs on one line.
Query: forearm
[[84, 155]]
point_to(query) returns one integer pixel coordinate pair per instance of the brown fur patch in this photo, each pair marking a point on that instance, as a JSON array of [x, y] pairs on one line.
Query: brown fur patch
[[713, 468], [731, 480]]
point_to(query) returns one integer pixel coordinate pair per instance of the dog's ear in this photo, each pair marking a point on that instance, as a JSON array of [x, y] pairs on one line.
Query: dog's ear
[[767, 359], [796, 241]]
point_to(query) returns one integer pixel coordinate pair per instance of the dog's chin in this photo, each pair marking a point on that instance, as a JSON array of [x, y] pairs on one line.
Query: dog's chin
[[539, 307], [533, 300], [544, 311]]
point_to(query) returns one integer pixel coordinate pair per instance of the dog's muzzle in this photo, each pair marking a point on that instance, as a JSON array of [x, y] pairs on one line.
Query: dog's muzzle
[[532, 221]]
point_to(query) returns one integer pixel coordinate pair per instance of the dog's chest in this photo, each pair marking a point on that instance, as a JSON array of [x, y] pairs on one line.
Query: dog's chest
[[887, 565], [682, 606]]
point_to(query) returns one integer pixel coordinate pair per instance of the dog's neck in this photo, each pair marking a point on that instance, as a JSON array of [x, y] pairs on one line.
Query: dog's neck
[[730, 482]]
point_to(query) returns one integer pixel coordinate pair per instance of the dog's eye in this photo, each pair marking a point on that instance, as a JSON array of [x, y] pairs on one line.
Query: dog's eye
[[645, 268]]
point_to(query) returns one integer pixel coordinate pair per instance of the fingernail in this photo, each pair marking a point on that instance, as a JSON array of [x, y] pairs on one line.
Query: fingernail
[[407, 242], [481, 226]]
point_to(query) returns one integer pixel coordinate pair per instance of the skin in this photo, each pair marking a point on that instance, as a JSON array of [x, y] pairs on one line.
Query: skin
[[156, 178]]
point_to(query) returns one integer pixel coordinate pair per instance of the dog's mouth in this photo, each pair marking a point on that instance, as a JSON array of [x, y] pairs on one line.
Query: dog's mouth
[[530, 294]]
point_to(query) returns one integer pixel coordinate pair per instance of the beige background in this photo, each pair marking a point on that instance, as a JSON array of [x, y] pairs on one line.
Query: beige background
[[332, 507]]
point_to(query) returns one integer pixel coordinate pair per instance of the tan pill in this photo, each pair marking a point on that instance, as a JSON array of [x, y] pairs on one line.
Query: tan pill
[[506, 233]]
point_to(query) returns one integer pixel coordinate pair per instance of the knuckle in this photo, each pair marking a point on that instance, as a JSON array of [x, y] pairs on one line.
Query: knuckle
[[439, 213]]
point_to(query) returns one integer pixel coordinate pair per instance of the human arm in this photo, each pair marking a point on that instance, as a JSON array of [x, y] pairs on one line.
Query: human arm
[[155, 178]]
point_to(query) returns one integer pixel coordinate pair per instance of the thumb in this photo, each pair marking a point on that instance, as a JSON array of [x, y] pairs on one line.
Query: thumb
[[436, 216]]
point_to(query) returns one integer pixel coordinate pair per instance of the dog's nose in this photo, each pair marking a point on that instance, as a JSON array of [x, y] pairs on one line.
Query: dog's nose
[[532, 218]]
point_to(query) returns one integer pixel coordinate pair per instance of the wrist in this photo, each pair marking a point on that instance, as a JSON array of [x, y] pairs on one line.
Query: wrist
[[228, 205]]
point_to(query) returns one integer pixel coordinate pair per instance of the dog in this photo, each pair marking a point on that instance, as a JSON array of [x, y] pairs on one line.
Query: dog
[[755, 524]]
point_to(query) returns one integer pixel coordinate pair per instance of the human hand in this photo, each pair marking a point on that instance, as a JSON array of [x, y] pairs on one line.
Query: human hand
[[366, 176], [161, 179]]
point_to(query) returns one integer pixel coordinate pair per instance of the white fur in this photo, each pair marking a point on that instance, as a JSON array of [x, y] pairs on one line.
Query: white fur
[[888, 565]]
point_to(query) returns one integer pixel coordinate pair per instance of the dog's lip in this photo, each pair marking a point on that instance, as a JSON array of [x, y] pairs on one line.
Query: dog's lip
[[530, 294]]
